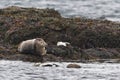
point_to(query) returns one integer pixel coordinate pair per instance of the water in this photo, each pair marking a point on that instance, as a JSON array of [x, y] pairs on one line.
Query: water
[[108, 9], [18, 70]]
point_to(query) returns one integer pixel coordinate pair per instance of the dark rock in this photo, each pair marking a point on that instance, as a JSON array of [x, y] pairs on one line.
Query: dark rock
[[26, 23], [64, 52], [51, 57], [50, 65], [73, 66], [102, 53], [89, 38]]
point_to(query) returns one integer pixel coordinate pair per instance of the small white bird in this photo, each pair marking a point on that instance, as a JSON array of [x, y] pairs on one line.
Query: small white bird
[[62, 43]]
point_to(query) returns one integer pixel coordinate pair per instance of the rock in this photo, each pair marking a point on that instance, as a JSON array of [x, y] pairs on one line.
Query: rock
[[18, 24], [27, 23], [102, 53], [37, 64], [64, 51], [73, 66], [50, 65], [51, 57]]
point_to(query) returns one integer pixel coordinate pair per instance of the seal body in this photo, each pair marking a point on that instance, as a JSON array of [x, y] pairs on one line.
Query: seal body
[[40, 46], [33, 46]]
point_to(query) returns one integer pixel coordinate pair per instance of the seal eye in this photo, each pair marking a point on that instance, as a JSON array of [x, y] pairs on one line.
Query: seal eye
[[41, 42]]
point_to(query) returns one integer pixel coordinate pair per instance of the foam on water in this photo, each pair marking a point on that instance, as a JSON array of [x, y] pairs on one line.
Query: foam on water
[[18, 70], [72, 8]]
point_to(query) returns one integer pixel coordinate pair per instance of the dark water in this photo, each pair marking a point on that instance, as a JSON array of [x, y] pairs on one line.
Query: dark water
[[109, 9], [17, 70]]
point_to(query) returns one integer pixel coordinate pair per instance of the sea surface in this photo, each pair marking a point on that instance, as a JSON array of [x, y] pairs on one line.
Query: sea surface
[[100, 9], [18, 70]]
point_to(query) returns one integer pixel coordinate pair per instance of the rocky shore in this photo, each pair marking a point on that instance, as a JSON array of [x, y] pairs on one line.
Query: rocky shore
[[90, 39]]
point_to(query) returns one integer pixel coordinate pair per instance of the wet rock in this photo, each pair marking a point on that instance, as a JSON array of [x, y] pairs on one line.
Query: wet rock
[[102, 53], [46, 64], [89, 38], [112, 61], [23, 57], [73, 66], [64, 51], [3, 49], [27, 23], [50, 65], [37, 64], [51, 57]]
